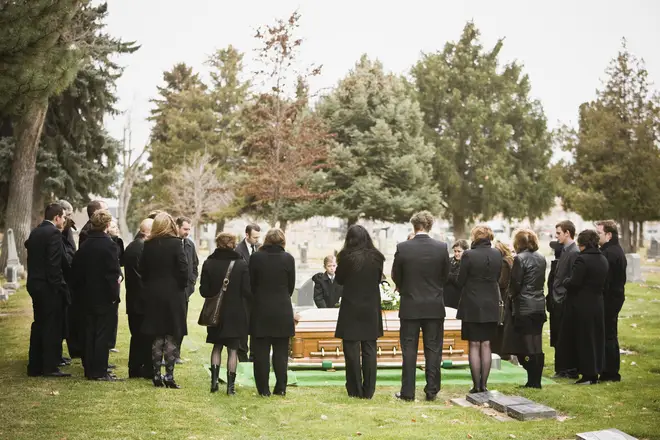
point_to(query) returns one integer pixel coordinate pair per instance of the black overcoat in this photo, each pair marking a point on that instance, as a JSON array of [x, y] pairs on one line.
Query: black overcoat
[[164, 271], [273, 280], [479, 276]]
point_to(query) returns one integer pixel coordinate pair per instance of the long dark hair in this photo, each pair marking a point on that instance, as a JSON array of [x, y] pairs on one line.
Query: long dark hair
[[358, 248]]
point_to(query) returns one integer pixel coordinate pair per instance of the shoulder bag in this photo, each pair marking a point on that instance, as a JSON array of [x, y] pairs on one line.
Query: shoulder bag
[[210, 315]]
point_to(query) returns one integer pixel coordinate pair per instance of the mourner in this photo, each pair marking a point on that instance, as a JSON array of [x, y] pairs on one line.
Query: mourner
[[452, 291], [248, 246], [360, 323], [420, 271], [327, 291], [232, 324], [183, 225], [48, 290]]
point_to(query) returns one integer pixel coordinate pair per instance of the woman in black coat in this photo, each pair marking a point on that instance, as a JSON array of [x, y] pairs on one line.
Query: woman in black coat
[[478, 309], [526, 290], [583, 328], [452, 288], [164, 270], [360, 322], [233, 324], [273, 279]]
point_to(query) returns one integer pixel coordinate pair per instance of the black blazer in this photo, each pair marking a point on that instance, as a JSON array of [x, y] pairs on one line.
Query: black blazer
[[360, 316], [45, 253], [273, 280], [134, 295], [420, 271], [164, 271], [82, 235], [243, 251], [588, 278], [616, 277], [479, 276], [96, 273], [235, 301], [193, 265], [326, 292]]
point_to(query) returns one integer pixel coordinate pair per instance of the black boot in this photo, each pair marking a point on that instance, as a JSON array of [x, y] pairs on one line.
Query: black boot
[[231, 382], [540, 363], [170, 383], [527, 364], [215, 373]]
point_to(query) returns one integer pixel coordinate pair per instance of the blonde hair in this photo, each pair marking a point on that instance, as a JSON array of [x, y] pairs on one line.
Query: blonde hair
[[275, 237], [225, 240], [507, 255], [163, 226], [480, 232], [101, 220], [422, 221], [525, 240], [329, 259]]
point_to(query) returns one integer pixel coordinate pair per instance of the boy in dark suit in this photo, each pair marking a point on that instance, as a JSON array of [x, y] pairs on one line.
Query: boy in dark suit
[[326, 291]]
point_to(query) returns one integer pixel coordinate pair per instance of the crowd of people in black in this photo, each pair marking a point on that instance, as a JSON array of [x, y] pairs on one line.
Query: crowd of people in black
[[499, 295]]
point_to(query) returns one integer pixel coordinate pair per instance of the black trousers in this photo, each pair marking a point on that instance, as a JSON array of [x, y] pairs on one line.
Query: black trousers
[[564, 363], [115, 326], [360, 376], [433, 336], [75, 337], [45, 352], [139, 354], [612, 361], [98, 334], [261, 366]]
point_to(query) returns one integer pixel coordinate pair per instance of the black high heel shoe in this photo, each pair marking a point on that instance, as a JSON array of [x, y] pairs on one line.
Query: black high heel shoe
[[169, 382], [158, 380]]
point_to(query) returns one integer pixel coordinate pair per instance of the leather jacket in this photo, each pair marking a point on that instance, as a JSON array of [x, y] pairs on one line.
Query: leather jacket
[[527, 282]]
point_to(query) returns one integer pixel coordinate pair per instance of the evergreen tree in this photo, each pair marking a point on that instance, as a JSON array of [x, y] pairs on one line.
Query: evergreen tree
[[492, 145], [615, 156], [381, 165]]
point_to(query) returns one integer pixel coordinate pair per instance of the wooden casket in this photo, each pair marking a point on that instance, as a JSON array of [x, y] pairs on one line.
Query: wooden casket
[[314, 344]]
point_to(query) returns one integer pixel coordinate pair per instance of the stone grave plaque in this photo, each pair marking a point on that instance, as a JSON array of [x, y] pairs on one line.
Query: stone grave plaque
[[481, 398], [501, 402], [462, 402], [634, 268], [531, 411], [607, 434]]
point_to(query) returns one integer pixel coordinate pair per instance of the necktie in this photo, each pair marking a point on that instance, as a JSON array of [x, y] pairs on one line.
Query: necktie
[[254, 248]]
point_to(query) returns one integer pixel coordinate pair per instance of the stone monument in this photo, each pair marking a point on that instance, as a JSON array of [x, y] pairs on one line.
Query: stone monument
[[654, 249], [306, 294], [634, 269], [14, 268]]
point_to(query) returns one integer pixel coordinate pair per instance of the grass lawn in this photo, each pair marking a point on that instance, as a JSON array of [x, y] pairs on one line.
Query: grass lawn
[[37, 408]]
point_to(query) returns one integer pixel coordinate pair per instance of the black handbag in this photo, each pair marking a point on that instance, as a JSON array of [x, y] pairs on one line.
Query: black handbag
[[210, 315]]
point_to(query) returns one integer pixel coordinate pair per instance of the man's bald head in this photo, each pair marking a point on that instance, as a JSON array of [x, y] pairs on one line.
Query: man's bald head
[[145, 226]]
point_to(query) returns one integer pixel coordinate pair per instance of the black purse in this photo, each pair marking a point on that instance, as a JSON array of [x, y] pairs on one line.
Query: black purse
[[210, 315]]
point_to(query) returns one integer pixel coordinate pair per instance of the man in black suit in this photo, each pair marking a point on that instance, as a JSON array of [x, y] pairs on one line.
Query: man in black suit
[[184, 224], [613, 297], [92, 207], [246, 248], [70, 331], [420, 270], [46, 286], [97, 275], [139, 355]]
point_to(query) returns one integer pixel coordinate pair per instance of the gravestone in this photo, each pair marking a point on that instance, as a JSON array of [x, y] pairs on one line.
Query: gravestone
[[654, 249], [607, 434], [303, 248], [14, 268], [481, 398], [501, 402], [531, 411], [634, 269], [306, 294], [4, 295]]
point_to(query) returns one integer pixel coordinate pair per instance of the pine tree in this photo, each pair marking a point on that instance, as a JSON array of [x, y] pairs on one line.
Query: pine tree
[[381, 164], [492, 145]]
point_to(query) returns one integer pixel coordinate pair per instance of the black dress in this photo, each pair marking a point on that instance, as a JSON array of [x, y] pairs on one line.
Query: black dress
[[478, 308], [235, 303], [164, 271]]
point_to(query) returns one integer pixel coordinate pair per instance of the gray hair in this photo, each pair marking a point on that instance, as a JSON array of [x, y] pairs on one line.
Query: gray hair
[[66, 205]]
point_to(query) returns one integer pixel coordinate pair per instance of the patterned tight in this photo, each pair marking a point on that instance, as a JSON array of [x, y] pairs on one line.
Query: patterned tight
[[232, 357], [164, 347]]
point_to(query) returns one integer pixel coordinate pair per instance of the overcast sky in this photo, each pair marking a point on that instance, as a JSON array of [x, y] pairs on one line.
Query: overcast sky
[[565, 46]]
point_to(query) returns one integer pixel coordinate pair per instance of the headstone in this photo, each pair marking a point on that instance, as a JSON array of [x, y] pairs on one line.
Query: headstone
[[607, 434], [502, 402], [14, 269], [306, 294], [4, 295], [634, 269], [303, 254], [531, 411], [481, 398], [654, 249]]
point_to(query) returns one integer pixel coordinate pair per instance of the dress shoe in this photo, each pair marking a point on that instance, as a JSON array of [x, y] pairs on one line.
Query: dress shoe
[[474, 391], [404, 398], [114, 350], [109, 378], [586, 381], [279, 393], [57, 373], [431, 397]]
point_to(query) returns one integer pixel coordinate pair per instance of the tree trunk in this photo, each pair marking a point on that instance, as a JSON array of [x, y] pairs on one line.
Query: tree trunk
[[220, 225], [21, 184], [458, 222], [283, 225], [635, 234], [122, 208], [38, 203], [626, 241], [640, 241]]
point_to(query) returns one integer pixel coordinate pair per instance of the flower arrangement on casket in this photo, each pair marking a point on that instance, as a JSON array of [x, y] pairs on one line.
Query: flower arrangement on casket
[[389, 297]]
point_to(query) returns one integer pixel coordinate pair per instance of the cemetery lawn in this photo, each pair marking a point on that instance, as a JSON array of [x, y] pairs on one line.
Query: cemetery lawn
[[74, 408]]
